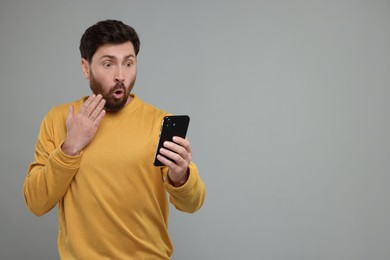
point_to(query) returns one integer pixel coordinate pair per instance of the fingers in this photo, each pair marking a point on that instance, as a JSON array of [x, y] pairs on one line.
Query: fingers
[[97, 112], [92, 106], [179, 151], [183, 142], [179, 145], [86, 104], [100, 117], [174, 157], [93, 109], [70, 112]]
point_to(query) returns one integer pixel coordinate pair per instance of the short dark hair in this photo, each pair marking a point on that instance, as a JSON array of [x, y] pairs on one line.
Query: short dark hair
[[106, 32]]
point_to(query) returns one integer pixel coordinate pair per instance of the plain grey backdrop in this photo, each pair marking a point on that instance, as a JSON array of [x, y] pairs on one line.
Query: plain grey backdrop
[[289, 104]]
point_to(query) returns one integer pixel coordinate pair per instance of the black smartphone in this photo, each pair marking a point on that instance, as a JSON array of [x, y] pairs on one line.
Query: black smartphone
[[175, 125]]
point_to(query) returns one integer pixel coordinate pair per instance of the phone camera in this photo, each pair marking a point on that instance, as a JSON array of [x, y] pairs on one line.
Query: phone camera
[[170, 124]]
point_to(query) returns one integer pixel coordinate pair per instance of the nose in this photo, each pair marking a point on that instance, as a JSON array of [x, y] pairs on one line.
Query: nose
[[119, 75]]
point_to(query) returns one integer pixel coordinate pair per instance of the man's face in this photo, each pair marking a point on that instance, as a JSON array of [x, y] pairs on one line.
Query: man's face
[[112, 73]]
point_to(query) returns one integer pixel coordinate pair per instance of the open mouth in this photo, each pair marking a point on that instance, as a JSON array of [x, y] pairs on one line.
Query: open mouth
[[118, 93]]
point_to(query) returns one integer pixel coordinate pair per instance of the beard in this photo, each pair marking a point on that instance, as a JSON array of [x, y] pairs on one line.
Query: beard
[[113, 104]]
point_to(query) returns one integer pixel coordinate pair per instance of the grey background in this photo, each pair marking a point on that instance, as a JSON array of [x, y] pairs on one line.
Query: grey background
[[289, 102]]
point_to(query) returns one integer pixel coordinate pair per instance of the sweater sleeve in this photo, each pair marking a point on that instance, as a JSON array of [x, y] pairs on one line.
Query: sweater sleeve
[[51, 172], [189, 197]]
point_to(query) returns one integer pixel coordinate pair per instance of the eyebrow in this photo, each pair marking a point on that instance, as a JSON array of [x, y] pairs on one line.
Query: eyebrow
[[114, 58]]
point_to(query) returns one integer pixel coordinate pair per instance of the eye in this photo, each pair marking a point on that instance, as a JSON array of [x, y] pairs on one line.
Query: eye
[[107, 64], [128, 64]]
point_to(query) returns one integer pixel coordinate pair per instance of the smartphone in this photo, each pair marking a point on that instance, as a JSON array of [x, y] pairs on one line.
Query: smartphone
[[175, 125]]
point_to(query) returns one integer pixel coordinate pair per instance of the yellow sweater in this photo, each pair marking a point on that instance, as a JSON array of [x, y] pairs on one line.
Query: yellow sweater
[[112, 201]]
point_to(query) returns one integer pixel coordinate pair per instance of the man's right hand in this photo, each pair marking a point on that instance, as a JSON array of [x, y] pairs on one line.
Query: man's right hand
[[81, 128]]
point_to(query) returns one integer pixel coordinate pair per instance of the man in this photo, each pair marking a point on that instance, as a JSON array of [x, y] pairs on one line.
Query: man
[[94, 158]]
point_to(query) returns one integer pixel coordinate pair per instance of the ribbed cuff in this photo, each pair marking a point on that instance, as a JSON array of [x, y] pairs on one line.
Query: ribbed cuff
[[71, 162], [187, 186]]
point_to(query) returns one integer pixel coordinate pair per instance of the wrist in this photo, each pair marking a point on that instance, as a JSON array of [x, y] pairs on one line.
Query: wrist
[[180, 182], [68, 150]]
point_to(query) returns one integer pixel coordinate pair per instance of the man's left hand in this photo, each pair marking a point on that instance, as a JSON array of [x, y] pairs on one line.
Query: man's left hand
[[180, 155]]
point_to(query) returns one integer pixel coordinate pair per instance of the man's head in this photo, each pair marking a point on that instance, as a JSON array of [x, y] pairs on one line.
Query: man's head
[[109, 57], [107, 32]]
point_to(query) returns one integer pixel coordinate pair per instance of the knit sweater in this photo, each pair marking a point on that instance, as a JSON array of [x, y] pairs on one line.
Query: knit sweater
[[112, 200]]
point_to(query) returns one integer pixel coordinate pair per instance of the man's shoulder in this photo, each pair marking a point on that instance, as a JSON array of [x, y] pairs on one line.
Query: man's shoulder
[[152, 109]]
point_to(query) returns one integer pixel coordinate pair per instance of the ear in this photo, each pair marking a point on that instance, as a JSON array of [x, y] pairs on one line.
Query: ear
[[85, 68]]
